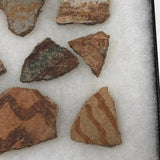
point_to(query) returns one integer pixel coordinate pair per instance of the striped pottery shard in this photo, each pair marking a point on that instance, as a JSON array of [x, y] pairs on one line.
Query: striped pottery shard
[[96, 122], [92, 49], [47, 61], [21, 14], [83, 11], [2, 68], [26, 118]]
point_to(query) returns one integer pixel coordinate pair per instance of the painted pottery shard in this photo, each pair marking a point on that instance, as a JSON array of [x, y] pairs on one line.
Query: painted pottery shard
[[47, 61], [92, 49], [2, 68], [21, 14], [97, 123], [26, 118], [83, 11]]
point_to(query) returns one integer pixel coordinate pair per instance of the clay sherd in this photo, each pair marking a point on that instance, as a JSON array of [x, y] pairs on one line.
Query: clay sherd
[[93, 49], [21, 14], [2, 68], [26, 118], [80, 11], [47, 61], [96, 122]]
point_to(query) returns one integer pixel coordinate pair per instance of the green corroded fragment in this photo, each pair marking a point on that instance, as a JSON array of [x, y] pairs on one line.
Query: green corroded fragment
[[47, 61]]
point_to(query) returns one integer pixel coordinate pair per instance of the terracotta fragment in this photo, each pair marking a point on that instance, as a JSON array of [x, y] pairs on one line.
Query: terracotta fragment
[[92, 49], [2, 68], [26, 118], [47, 61], [96, 122], [80, 11], [21, 14]]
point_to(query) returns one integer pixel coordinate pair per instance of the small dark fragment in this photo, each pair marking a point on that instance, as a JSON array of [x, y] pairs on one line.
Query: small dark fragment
[[47, 61], [2, 68], [1, 4], [92, 49], [26, 118]]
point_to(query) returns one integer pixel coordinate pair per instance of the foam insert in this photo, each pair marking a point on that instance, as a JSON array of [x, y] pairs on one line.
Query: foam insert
[[128, 72]]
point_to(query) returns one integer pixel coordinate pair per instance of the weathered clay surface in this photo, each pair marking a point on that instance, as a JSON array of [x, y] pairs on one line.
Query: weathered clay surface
[[80, 11], [26, 118], [97, 123], [92, 49], [2, 68], [48, 61], [21, 14]]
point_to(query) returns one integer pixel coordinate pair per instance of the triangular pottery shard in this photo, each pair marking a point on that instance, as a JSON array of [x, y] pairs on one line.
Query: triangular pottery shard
[[21, 14], [26, 118], [83, 11], [2, 68], [47, 61], [92, 49], [96, 122]]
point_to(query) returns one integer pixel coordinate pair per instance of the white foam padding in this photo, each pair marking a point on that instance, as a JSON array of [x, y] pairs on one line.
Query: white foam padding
[[128, 72]]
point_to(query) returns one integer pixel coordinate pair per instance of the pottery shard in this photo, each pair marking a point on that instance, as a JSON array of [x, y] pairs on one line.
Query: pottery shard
[[2, 68], [26, 118], [21, 14], [83, 11], [48, 61], [92, 49], [97, 123]]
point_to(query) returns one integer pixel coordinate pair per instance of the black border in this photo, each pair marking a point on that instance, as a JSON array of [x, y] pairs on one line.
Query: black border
[[155, 52]]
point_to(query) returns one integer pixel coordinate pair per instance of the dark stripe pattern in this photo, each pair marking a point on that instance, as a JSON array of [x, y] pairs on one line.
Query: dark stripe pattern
[[30, 128], [16, 135], [104, 121], [26, 114], [99, 127]]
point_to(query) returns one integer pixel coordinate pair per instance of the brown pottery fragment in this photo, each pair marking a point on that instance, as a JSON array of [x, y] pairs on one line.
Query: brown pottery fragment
[[92, 49], [83, 11], [2, 68], [26, 118], [47, 61], [21, 14], [96, 122]]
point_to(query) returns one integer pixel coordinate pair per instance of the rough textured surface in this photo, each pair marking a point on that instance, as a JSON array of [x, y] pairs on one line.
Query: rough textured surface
[[26, 118], [80, 11], [48, 61], [2, 68], [97, 123], [92, 49], [21, 14]]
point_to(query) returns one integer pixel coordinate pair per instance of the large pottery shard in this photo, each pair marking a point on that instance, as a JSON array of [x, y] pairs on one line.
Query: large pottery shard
[[26, 118], [2, 68], [97, 123], [92, 49], [21, 14], [83, 11], [47, 61]]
